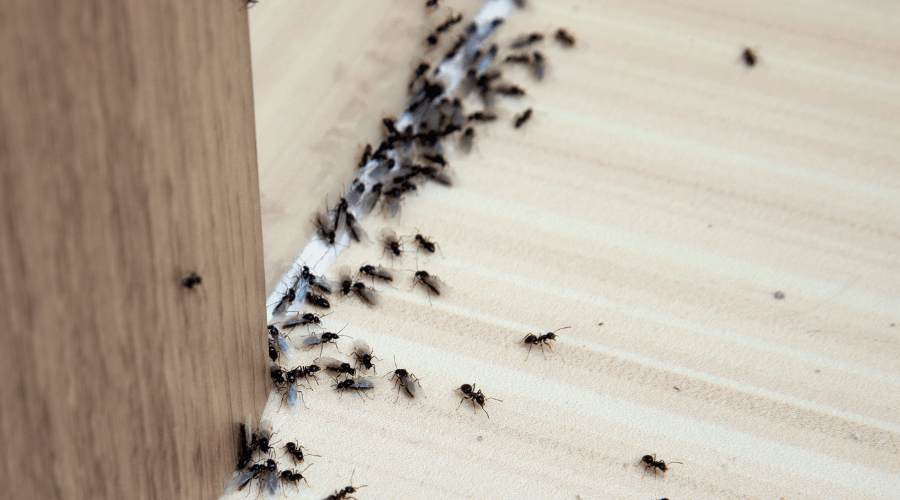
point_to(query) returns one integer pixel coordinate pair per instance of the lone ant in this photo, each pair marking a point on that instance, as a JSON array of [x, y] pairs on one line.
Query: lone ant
[[524, 117], [532, 340], [318, 301], [192, 280], [335, 365], [650, 462], [359, 384], [325, 228], [468, 391], [304, 320], [526, 40], [377, 272], [564, 37], [749, 56], [353, 228], [344, 494]]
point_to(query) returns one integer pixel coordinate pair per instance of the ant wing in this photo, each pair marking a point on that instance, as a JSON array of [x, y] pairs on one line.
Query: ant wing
[[322, 285], [265, 428], [355, 230], [270, 483], [365, 294], [284, 346], [238, 481], [292, 394], [388, 235], [413, 388], [365, 383], [328, 363], [362, 348], [309, 340]]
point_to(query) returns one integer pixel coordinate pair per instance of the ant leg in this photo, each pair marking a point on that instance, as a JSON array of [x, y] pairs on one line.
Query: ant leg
[[460, 403]]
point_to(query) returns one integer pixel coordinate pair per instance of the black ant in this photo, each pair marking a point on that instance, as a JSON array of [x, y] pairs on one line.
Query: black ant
[[277, 375], [273, 353], [564, 37], [318, 301], [509, 90], [526, 40], [264, 436], [345, 281], [358, 384], [650, 462], [363, 354], [335, 365], [538, 65], [465, 142], [314, 281], [407, 381], [518, 59], [339, 210], [468, 391], [244, 449], [749, 57], [455, 48], [286, 300], [279, 341], [306, 372], [436, 158], [367, 153], [541, 340], [432, 3], [481, 116], [446, 25], [344, 494], [425, 243], [524, 117], [325, 228], [305, 319], [377, 272], [432, 283], [296, 451], [294, 477], [321, 339], [391, 243], [192, 280], [365, 294], [353, 227]]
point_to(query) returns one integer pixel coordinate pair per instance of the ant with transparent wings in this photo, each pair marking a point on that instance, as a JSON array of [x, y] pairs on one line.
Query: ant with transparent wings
[[406, 381]]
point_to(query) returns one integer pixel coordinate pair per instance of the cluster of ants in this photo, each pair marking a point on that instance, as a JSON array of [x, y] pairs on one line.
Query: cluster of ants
[[265, 471]]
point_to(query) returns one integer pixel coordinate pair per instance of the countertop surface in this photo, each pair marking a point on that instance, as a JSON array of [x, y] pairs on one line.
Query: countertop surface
[[722, 242]]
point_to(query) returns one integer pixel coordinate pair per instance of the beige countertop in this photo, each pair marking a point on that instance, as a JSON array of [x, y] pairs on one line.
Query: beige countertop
[[663, 189]]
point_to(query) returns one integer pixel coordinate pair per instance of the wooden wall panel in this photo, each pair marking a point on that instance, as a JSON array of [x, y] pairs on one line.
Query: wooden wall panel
[[127, 160]]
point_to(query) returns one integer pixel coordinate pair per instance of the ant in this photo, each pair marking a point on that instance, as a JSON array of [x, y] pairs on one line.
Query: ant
[[432, 3], [306, 319], [344, 494], [305, 372], [518, 59], [192, 280], [365, 294], [359, 384], [541, 340], [340, 209], [564, 37], [377, 272], [367, 153], [314, 281], [538, 65], [749, 56], [322, 339], [286, 300], [526, 40], [244, 449], [650, 462], [436, 158], [273, 353], [293, 476], [465, 142], [446, 25], [407, 381], [277, 375], [363, 354], [481, 116], [296, 451], [425, 243], [353, 227], [325, 228], [524, 117], [509, 90], [264, 436], [335, 365], [468, 391], [391, 243], [278, 340], [432, 283], [318, 301]]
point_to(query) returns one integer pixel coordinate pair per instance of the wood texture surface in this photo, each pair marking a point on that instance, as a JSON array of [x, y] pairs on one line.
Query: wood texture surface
[[662, 189], [127, 160]]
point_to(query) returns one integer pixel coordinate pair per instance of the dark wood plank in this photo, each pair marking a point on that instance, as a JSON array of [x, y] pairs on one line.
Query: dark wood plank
[[127, 160]]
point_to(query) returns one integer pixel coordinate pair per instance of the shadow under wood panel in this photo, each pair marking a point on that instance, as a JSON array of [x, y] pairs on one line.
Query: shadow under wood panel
[[127, 160]]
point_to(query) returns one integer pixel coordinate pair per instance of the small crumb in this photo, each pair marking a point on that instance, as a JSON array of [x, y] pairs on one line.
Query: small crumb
[[818, 371], [481, 438], [676, 388], [709, 226], [601, 324], [579, 497], [892, 324], [778, 295], [856, 436]]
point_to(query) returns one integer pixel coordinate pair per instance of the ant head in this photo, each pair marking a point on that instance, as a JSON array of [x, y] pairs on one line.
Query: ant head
[[330, 336], [270, 464], [550, 336], [479, 398], [273, 331]]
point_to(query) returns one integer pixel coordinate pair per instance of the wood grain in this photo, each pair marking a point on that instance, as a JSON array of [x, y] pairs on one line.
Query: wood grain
[[128, 160], [662, 189]]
